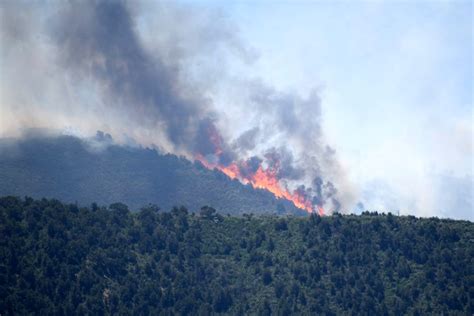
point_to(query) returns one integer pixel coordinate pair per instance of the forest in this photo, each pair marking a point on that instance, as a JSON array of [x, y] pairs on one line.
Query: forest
[[65, 259], [97, 170]]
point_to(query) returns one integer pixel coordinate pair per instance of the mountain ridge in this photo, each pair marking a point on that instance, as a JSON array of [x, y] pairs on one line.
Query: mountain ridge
[[87, 171]]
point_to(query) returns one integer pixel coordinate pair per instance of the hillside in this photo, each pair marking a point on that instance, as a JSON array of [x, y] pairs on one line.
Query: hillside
[[63, 260], [72, 169]]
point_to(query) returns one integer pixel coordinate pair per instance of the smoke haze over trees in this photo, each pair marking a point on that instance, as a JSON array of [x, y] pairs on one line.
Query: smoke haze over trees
[[144, 77], [97, 170]]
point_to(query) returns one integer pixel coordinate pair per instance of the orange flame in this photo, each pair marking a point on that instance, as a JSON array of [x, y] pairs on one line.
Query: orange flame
[[321, 211], [265, 179]]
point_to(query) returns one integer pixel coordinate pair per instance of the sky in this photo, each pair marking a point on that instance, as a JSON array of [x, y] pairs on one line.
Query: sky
[[373, 97], [396, 85]]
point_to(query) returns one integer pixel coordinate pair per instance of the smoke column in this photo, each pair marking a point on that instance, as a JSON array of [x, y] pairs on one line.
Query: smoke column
[[108, 65]]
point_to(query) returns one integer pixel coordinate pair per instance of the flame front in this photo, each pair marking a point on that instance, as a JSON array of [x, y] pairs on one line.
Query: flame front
[[260, 178], [265, 179]]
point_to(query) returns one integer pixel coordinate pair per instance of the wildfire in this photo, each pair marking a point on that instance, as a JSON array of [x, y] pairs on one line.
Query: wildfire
[[260, 178], [265, 179]]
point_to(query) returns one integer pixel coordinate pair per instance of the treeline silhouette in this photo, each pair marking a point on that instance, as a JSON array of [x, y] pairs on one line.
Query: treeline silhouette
[[97, 170], [61, 259]]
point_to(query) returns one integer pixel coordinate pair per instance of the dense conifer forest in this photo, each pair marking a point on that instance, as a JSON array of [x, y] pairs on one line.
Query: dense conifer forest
[[62, 259], [97, 170]]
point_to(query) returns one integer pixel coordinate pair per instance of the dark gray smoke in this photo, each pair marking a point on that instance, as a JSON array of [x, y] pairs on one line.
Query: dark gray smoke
[[247, 140], [291, 140], [100, 40], [282, 160], [88, 65], [250, 166], [318, 198]]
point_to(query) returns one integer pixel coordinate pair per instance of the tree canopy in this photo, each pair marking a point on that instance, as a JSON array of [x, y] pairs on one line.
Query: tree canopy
[[62, 259]]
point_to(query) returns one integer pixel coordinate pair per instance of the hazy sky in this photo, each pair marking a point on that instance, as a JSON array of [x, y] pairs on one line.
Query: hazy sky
[[386, 84], [396, 85]]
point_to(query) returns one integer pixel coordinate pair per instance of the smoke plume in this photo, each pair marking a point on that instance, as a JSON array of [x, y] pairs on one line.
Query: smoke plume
[[156, 74]]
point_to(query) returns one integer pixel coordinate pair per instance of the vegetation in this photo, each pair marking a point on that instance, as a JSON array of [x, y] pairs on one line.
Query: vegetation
[[61, 259], [87, 171]]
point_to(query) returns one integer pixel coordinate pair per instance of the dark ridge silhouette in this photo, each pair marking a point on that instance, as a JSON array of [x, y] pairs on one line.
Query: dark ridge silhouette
[[96, 170]]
